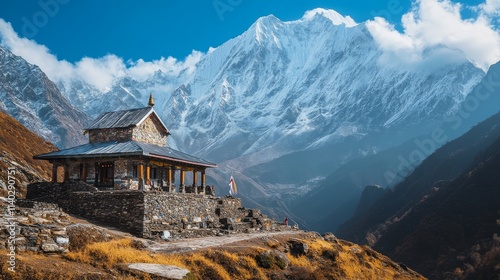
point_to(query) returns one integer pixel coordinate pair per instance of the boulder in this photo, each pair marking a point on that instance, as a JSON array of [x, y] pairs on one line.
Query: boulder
[[81, 235], [298, 247], [51, 248], [272, 258], [62, 240], [167, 271], [330, 237]]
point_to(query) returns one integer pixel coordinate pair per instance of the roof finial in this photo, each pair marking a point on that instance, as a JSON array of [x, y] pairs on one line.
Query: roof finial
[[151, 102]]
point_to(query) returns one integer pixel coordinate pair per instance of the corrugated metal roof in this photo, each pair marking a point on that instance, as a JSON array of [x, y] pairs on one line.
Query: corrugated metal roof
[[166, 152], [128, 148], [124, 118]]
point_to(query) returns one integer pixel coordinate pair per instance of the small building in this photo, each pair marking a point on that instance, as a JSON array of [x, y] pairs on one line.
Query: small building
[[128, 150]]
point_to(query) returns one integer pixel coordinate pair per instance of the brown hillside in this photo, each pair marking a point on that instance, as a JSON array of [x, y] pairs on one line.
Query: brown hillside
[[18, 145], [257, 258]]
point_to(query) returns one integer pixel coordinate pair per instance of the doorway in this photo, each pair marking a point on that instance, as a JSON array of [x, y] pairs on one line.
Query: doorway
[[106, 175]]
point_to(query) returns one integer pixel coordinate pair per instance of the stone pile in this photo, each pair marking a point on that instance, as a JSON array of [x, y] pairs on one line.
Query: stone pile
[[41, 227]]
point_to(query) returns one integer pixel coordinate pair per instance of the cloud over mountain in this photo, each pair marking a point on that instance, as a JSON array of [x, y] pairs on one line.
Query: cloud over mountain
[[435, 30], [98, 72]]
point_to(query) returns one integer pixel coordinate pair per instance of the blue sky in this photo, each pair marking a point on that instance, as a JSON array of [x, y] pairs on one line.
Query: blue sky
[[148, 29], [99, 42]]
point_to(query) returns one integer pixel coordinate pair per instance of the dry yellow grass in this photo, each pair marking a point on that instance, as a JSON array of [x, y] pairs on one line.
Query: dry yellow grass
[[253, 268], [204, 264], [357, 263], [206, 268], [325, 260], [319, 245], [107, 254]]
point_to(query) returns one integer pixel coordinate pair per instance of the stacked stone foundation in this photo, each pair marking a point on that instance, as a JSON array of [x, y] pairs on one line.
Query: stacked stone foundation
[[154, 214]]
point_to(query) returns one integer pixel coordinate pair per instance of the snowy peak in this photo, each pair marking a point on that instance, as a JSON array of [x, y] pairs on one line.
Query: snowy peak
[[265, 28], [333, 16], [303, 82], [29, 96], [269, 28]]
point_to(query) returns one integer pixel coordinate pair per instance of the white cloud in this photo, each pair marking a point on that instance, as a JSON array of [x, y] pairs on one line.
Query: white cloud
[[34, 53], [491, 7], [99, 72], [141, 69], [434, 32]]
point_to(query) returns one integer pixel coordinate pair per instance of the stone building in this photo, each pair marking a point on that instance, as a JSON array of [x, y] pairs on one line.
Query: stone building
[[128, 150]]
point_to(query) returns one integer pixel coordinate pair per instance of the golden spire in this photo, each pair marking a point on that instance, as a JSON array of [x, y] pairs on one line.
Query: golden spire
[[151, 102]]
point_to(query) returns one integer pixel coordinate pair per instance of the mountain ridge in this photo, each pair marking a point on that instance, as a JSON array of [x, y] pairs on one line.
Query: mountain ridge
[[28, 95]]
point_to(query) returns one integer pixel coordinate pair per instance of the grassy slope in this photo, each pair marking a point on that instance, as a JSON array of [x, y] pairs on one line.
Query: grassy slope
[[17, 146], [325, 260]]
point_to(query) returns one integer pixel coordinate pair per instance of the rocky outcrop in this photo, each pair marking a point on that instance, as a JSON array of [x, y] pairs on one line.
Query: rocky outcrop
[[40, 227]]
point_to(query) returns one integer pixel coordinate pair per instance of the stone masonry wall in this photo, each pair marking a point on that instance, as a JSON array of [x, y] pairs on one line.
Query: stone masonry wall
[[74, 171], [149, 132], [150, 214], [110, 134], [122, 209], [175, 212]]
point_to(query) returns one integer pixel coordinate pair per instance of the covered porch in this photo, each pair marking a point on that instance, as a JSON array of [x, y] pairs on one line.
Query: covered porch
[[133, 166]]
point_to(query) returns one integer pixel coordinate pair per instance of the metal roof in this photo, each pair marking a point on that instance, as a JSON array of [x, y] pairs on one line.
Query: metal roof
[[127, 148], [124, 118]]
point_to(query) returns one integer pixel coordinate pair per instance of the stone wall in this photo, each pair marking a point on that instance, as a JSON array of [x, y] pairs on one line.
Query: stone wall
[[41, 228], [149, 131], [123, 172], [122, 209], [110, 134], [175, 212], [74, 171], [90, 173], [151, 214]]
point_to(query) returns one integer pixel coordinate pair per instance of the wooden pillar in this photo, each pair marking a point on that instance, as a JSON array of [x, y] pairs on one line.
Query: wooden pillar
[[181, 183], [140, 171], [195, 181], [203, 181], [169, 178], [83, 177], [54, 173], [148, 172], [203, 178]]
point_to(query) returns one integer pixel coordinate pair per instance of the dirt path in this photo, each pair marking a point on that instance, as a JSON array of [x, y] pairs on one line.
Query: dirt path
[[189, 244], [213, 241]]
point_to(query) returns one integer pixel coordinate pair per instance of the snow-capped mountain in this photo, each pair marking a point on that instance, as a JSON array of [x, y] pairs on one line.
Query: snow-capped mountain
[[94, 102], [289, 86], [29, 96], [283, 105], [125, 93]]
